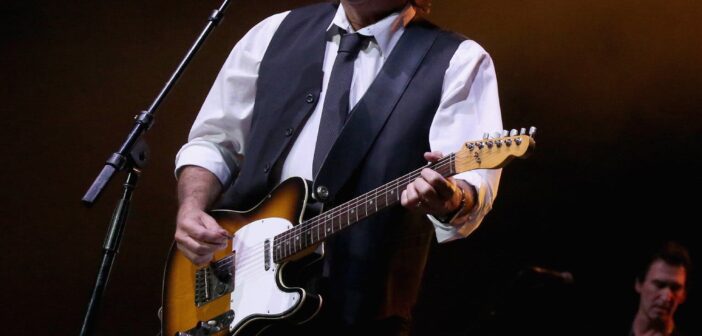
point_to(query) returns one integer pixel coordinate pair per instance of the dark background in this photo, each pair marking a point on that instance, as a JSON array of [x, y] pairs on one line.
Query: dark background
[[613, 86]]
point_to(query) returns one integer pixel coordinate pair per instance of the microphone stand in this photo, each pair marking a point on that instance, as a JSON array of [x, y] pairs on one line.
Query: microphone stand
[[131, 156]]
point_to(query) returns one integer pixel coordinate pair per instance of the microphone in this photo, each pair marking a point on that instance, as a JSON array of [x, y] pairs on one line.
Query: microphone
[[564, 277]]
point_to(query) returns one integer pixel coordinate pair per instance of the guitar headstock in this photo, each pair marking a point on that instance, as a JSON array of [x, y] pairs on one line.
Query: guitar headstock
[[495, 152]]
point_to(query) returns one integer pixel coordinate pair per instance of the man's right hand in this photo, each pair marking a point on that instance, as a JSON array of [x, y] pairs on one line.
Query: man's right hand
[[197, 234]]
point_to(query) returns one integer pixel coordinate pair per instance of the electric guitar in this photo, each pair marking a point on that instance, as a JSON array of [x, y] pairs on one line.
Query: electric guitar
[[243, 290]]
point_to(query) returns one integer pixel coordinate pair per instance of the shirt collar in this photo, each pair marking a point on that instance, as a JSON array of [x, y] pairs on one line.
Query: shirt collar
[[382, 31]]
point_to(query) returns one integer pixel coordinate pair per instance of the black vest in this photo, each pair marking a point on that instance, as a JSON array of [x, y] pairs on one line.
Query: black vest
[[375, 266]]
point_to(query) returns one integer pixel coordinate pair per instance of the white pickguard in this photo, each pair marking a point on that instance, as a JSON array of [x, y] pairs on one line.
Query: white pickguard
[[255, 288]]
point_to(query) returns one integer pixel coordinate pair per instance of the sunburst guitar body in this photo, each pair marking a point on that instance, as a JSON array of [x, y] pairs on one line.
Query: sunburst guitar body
[[241, 292]]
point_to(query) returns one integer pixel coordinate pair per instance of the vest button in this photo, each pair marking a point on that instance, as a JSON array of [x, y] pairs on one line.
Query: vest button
[[266, 168], [310, 98], [288, 132], [322, 193]]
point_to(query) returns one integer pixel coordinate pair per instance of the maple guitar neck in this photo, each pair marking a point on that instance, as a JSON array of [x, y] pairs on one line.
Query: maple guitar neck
[[483, 154]]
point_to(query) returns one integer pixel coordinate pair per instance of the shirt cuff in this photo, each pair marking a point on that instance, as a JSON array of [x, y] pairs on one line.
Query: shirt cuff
[[206, 155], [465, 222]]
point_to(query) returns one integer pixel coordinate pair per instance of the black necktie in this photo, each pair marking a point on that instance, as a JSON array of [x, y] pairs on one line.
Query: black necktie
[[336, 100]]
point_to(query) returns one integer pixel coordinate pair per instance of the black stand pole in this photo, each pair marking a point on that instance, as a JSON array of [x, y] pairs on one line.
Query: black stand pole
[[131, 156], [110, 247]]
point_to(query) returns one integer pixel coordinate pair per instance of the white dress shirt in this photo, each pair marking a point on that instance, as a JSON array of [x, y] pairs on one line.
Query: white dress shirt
[[469, 107]]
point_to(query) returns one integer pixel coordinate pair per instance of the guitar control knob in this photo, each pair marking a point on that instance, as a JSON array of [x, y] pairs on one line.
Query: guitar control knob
[[322, 193]]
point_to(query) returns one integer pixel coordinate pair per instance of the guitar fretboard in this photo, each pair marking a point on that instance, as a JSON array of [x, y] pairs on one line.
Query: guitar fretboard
[[328, 223]]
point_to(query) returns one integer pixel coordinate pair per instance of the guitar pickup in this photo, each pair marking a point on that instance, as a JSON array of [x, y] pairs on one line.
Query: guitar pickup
[[267, 254]]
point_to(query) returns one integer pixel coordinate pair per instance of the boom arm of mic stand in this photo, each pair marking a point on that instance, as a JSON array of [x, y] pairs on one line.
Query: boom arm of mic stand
[[117, 161]]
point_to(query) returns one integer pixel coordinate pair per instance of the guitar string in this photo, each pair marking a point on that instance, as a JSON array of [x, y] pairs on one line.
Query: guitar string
[[357, 201], [291, 246], [403, 180], [252, 273], [323, 219], [335, 213], [314, 223], [247, 272], [255, 258], [309, 225], [446, 162]]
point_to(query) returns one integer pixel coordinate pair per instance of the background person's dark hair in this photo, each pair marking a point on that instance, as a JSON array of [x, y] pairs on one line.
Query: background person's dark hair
[[672, 253]]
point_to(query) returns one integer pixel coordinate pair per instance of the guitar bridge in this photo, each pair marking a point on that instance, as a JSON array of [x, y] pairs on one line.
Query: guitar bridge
[[211, 327], [214, 281]]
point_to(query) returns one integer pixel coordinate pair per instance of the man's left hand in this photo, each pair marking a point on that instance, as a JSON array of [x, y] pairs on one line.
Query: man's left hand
[[435, 195]]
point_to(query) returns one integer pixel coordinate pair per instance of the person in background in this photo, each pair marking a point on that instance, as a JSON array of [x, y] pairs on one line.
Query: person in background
[[662, 287]]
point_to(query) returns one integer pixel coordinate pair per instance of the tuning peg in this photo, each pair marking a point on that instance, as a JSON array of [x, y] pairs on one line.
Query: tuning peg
[[532, 131], [522, 131], [505, 133], [513, 132], [498, 140], [486, 136]]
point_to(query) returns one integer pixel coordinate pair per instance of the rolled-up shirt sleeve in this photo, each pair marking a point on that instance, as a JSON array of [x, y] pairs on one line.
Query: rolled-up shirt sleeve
[[469, 108], [217, 138]]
